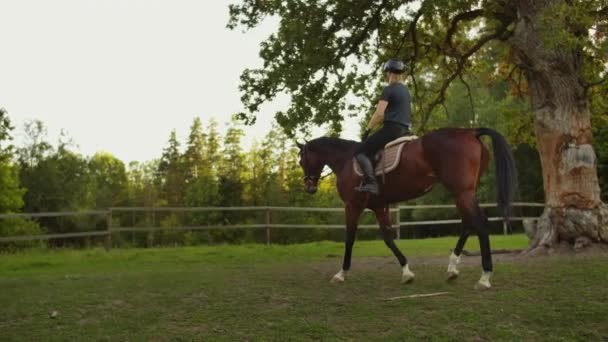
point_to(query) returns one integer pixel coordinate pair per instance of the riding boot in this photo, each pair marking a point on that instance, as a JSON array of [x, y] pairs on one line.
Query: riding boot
[[369, 179]]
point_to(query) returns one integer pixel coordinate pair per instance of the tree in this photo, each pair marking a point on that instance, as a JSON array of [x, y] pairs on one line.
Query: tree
[[195, 155], [171, 171], [599, 119], [11, 196], [266, 169], [204, 154], [143, 184], [55, 179], [279, 147], [231, 167], [109, 178], [257, 175], [36, 146], [213, 148], [325, 53]]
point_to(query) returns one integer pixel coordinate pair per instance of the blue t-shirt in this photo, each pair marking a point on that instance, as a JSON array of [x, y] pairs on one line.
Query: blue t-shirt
[[399, 104]]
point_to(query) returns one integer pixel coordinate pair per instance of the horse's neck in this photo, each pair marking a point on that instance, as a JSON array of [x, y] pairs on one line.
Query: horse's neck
[[337, 159]]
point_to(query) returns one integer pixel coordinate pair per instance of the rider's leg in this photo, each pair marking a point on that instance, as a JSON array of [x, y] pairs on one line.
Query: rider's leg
[[367, 151], [370, 184], [365, 155]]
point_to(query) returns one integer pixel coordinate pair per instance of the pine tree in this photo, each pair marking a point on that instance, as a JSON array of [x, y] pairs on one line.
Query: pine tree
[[213, 156], [231, 186], [196, 152], [171, 172]]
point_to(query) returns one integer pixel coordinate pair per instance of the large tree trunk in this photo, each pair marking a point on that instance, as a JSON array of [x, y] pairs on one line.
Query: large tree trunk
[[574, 209]]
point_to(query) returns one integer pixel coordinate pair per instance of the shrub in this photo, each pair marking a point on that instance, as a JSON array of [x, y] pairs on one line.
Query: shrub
[[20, 227]]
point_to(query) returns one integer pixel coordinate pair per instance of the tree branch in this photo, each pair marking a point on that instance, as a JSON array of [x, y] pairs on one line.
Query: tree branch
[[411, 30], [501, 34], [468, 16], [470, 95], [445, 108], [515, 80], [365, 31]]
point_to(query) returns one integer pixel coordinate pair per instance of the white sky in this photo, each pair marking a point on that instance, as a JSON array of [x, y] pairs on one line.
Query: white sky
[[118, 75]]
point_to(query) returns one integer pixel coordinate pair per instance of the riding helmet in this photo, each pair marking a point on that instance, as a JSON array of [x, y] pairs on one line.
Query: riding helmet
[[394, 65]]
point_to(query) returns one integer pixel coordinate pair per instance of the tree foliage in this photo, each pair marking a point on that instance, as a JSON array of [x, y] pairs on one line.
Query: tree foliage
[[326, 54], [11, 192], [171, 171], [109, 180]]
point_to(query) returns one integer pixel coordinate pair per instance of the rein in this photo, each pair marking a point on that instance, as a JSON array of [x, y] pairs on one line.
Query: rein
[[317, 178]]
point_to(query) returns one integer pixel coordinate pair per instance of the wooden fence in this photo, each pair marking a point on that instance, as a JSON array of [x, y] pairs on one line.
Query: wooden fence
[[268, 225]]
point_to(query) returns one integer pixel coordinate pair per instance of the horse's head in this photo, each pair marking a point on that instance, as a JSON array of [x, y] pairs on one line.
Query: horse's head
[[312, 164]]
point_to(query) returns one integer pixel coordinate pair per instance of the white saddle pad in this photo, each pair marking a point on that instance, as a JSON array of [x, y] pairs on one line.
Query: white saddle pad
[[390, 158]]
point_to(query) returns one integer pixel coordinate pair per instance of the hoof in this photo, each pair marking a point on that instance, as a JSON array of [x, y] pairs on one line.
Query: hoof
[[338, 278], [484, 282], [452, 276], [407, 276], [407, 279], [482, 286], [453, 267]]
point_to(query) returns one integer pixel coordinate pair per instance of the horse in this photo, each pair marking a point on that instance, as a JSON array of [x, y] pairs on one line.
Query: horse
[[453, 157]]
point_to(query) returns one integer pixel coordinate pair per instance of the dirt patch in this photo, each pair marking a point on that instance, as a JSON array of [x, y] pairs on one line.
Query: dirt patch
[[377, 263], [567, 249]]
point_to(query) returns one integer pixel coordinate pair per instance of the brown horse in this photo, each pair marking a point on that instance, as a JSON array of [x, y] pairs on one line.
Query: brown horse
[[454, 157]]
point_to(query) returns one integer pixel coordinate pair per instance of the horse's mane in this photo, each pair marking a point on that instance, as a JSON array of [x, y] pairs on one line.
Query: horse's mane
[[337, 143]]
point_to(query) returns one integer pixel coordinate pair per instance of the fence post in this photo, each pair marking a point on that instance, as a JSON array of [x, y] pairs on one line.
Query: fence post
[[398, 223], [267, 226], [109, 228], [505, 229]]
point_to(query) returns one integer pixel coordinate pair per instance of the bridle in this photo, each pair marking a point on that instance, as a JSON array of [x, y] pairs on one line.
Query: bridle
[[316, 178], [313, 179]]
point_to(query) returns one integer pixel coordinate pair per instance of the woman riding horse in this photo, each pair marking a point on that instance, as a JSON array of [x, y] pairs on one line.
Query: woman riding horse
[[453, 157], [395, 110]]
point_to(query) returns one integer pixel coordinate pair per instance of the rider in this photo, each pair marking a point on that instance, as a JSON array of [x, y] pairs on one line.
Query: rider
[[394, 109]]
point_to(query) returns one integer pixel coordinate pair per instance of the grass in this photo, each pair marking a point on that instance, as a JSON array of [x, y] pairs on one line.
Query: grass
[[255, 292]]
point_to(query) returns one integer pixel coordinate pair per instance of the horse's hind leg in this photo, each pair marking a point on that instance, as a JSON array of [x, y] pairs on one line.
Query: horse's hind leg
[[486, 258], [352, 218], [455, 257], [472, 215], [388, 236]]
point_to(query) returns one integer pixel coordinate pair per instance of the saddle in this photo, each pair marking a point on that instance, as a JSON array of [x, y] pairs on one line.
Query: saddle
[[388, 159]]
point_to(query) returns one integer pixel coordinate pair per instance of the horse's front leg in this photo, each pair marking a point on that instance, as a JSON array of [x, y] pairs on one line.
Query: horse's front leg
[[383, 218], [352, 219]]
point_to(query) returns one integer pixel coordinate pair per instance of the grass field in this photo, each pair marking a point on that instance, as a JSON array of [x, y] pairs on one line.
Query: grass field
[[255, 292]]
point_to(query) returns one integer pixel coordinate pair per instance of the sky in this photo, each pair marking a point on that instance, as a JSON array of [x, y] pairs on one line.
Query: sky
[[119, 75]]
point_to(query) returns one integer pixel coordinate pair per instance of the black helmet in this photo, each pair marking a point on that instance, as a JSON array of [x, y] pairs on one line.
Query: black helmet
[[394, 65]]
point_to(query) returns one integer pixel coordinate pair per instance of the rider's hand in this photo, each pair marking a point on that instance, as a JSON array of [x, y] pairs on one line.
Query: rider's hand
[[365, 134]]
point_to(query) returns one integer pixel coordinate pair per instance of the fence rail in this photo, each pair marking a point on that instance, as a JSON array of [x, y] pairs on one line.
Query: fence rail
[[55, 214], [267, 225]]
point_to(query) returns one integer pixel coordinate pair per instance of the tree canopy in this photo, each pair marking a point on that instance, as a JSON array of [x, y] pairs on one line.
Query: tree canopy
[[326, 54]]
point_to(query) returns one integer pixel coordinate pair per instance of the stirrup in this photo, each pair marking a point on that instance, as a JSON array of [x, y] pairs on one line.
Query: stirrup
[[369, 187]]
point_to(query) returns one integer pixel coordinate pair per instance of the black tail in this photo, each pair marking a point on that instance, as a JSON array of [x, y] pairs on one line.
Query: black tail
[[506, 173]]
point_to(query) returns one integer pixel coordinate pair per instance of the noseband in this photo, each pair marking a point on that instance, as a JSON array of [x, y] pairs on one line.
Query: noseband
[[313, 179]]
